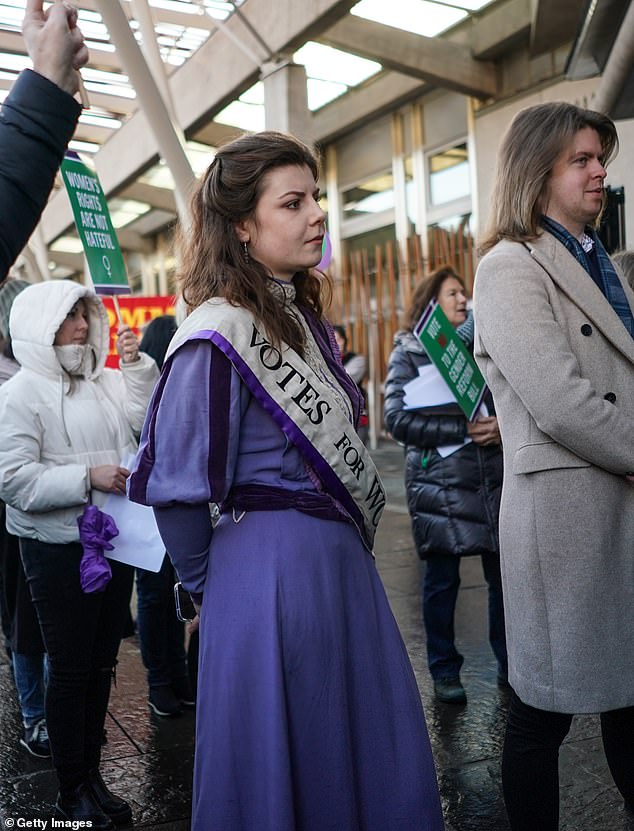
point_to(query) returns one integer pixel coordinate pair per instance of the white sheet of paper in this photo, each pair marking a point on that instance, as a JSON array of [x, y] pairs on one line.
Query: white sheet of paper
[[138, 543], [431, 390], [428, 390]]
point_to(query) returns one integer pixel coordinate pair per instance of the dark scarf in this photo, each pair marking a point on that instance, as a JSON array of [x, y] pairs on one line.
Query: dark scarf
[[598, 265]]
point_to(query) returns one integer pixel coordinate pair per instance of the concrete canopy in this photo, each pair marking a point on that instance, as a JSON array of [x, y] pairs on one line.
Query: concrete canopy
[[229, 61]]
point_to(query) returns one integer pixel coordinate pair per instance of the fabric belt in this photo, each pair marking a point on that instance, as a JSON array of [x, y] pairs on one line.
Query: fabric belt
[[271, 498]]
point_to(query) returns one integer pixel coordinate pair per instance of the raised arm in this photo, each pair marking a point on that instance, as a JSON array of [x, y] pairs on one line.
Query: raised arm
[[55, 43]]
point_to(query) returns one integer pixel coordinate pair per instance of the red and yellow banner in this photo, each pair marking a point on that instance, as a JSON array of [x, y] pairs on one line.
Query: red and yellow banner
[[136, 312]]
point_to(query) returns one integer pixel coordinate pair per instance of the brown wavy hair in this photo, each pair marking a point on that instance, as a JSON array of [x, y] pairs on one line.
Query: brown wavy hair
[[534, 141], [213, 260], [426, 290]]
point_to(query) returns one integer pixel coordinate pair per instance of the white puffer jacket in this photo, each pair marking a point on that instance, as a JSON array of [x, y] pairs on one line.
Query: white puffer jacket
[[52, 431]]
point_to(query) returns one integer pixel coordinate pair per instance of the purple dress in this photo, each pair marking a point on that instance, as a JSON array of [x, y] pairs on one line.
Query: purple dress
[[309, 717]]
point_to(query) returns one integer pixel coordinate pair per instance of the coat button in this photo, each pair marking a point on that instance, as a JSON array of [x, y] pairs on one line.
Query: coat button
[[586, 330], [611, 397]]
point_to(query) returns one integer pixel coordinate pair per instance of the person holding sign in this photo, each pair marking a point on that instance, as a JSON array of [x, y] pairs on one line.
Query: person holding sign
[[308, 713], [453, 497], [66, 424], [38, 120], [555, 341]]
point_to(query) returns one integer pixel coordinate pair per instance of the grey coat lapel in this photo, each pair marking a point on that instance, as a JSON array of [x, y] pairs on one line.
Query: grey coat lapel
[[576, 283]]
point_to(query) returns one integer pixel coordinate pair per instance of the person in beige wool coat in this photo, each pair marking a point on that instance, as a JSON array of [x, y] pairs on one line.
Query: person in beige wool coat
[[554, 339]]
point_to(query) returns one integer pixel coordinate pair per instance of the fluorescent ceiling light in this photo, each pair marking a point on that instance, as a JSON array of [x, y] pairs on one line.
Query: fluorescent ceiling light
[[240, 114], [99, 119], [328, 64], [67, 245], [321, 93], [83, 146], [160, 176], [125, 211]]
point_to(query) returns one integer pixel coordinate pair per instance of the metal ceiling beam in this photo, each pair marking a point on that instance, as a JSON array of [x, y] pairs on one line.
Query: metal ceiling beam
[[435, 60]]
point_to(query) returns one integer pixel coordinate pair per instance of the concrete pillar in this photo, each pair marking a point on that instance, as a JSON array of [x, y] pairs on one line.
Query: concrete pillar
[[335, 210], [148, 278], [420, 178], [401, 220], [473, 168], [40, 251], [286, 99], [167, 136]]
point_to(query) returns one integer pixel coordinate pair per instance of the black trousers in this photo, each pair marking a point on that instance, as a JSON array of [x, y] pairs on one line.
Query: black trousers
[[530, 762], [82, 633]]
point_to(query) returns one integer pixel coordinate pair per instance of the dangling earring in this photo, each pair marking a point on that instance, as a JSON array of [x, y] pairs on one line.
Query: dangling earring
[[246, 251]]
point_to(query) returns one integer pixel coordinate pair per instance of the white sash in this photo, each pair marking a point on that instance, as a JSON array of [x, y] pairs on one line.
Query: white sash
[[300, 403]]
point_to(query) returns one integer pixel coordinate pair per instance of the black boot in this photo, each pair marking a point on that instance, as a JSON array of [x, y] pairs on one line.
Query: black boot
[[80, 804], [116, 808]]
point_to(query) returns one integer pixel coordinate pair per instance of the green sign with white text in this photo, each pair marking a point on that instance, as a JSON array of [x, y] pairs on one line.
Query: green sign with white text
[[451, 358], [94, 226]]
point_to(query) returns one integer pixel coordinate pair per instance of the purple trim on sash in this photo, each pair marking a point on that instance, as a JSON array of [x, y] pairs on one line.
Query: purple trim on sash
[[327, 475], [220, 381]]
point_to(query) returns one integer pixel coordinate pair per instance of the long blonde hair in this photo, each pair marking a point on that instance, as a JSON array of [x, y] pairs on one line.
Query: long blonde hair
[[534, 141]]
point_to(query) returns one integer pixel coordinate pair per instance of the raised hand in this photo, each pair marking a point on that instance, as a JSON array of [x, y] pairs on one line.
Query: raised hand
[[127, 345], [55, 43]]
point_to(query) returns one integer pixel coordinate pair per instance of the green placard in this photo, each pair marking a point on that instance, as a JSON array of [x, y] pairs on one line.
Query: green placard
[[451, 358], [94, 226]]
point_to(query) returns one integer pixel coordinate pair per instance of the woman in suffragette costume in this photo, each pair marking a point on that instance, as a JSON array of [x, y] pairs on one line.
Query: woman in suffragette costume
[[309, 716]]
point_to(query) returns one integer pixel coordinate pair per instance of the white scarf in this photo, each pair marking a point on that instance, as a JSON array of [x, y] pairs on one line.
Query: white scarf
[[77, 358]]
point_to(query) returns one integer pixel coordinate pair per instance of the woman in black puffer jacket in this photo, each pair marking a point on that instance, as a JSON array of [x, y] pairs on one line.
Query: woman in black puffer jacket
[[453, 500]]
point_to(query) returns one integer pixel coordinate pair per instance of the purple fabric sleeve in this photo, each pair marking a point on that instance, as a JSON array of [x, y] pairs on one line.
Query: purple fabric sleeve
[[186, 531], [189, 443]]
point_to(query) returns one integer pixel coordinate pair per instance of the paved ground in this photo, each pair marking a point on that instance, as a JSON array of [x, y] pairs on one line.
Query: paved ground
[[149, 760]]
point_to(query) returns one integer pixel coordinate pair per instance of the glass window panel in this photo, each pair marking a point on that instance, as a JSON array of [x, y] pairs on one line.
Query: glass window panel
[[371, 196], [449, 175], [418, 16]]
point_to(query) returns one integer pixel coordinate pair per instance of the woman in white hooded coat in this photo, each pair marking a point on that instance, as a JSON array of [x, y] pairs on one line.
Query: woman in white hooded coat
[[67, 423]]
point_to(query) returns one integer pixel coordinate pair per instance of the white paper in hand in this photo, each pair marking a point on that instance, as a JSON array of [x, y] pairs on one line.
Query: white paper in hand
[[138, 543], [431, 390]]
